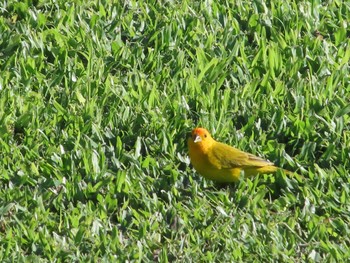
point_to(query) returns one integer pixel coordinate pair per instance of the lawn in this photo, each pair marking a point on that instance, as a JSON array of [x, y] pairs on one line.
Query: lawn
[[97, 99]]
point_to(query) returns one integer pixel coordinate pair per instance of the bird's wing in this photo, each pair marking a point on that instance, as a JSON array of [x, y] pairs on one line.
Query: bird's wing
[[227, 157]]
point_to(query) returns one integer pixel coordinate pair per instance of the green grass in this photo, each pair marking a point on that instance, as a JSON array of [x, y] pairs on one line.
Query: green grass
[[96, 99]]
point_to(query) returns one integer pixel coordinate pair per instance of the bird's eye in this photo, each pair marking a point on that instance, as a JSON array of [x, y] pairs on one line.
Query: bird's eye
[[205, 135]]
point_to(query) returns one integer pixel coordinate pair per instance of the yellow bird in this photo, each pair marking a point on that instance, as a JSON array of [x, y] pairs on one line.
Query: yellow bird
[[223, 163]]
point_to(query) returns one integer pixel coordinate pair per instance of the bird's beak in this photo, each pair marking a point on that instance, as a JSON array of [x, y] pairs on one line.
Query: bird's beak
[[197, 139]]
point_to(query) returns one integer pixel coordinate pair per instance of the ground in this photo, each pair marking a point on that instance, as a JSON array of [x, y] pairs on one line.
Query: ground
[[97, 98]]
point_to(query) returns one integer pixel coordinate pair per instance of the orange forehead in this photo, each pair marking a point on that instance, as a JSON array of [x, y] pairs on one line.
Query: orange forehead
[[199, 131]]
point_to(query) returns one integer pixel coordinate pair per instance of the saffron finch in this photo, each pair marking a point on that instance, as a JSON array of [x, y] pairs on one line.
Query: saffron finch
[[221, 162]]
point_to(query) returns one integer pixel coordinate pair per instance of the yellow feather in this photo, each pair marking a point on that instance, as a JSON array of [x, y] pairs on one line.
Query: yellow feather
[[221, 162]]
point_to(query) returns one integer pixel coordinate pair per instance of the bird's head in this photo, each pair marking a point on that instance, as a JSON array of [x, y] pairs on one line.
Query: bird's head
[[200, 136]]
